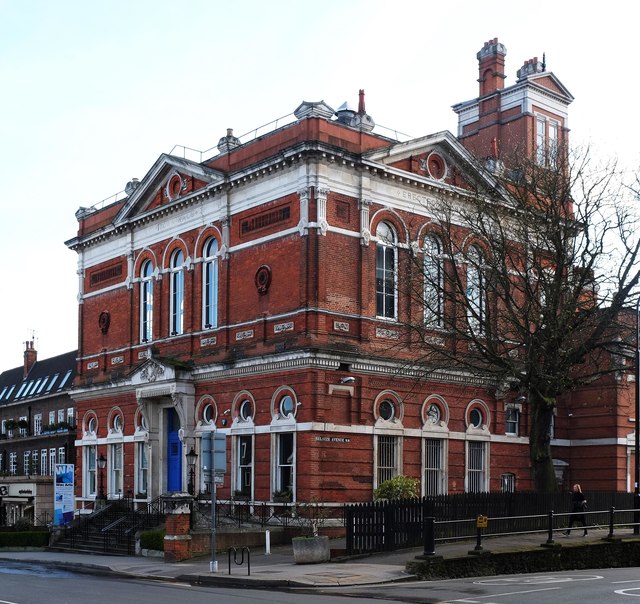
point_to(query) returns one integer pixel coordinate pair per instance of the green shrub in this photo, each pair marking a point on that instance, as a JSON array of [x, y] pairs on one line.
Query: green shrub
[[152, 540], [24, 539], [398, 487]]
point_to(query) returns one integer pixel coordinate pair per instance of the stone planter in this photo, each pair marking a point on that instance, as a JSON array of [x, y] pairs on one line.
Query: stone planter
[[310, 550]]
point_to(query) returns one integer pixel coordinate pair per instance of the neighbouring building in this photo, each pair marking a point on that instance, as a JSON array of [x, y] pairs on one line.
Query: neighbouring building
[[37, 431], [253, 294]]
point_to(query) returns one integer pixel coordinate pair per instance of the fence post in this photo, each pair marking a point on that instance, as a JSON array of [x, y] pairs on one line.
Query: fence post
[[429, 536], [612, 512], [550, 541]]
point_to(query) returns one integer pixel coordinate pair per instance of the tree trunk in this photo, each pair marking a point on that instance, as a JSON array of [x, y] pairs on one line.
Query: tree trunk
[[541, 414]]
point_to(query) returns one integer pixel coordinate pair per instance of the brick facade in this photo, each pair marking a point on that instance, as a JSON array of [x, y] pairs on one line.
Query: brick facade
[[299, 369]]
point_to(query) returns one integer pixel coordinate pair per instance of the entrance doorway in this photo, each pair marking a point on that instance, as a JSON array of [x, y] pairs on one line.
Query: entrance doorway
[[174, 453]]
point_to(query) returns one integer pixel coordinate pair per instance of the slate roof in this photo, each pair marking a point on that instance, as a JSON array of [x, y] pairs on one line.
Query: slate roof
[[46, 377]]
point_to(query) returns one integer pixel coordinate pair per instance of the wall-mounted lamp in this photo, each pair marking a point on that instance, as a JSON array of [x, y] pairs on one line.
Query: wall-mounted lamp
[[227, 412], [347, 379]]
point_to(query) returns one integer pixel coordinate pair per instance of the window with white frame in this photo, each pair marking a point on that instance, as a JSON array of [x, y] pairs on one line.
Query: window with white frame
[[433, 282], [52, 417], [71, 417], [62, 455], [143, 470], [116, 459], [547, 141], [146, 302], [285, 455], [386, 270], [244, 471], [43, 462], [177, 293], [35, 462], [387, 458], [13, 463], [61, 416], [37, 424], [508, 483], [210, 285], [23, 427], [3, 428], [90, 479], [52, 461], [512, 420], [434, 469], [476, 466], [476, 292], [26, 462]]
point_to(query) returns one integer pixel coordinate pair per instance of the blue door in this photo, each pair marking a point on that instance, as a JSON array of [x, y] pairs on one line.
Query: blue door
[[174, 453]]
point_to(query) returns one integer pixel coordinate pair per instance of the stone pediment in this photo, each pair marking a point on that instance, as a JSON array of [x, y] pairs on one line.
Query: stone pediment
[[170, 180], [439, 159], [153, 371]]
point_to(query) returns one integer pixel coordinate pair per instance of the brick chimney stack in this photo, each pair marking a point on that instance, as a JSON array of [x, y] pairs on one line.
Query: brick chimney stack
[[30, 357], [491, 67]]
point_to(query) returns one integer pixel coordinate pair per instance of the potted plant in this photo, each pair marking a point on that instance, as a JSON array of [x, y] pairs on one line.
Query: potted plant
[[242, 495], [283, 496], [311, 548], [10, 425]]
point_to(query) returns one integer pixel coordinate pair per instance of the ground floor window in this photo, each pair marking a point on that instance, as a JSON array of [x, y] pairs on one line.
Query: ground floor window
[[285, 469], [476, 466], [387, 458], [244, 471], [35, 462], [143, 470], [115, 481], [52, 461], [508, 483], [43, 462], [90, 475], [434, 467]]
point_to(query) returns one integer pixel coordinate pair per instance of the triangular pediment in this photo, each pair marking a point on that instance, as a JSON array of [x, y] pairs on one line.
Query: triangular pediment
[[152, 371], [549, 81], [170, 180], [438, 159]]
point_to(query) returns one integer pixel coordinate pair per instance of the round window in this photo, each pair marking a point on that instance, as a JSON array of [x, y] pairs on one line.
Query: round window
[[245, 410], [286, 405], [208, 413], [475, 417], [433, 414], [386, 410], [117, 423]]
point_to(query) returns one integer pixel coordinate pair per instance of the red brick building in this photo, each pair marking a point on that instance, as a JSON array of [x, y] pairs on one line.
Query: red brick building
[[254, 294]]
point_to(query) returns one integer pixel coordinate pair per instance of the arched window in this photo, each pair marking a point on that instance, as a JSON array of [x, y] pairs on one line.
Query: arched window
[[476, 292], [433, 282], [210, 285], [146, 302], [386, 271], [177, 293]]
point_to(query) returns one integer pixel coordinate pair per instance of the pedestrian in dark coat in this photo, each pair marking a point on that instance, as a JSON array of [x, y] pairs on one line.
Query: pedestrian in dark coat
[[578, 508]]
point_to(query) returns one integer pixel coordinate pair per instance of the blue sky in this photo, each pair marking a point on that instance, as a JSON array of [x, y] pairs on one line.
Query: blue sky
[[94, 92]]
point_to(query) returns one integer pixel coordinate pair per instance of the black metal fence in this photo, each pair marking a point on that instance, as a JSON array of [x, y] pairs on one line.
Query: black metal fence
[[391, 525]]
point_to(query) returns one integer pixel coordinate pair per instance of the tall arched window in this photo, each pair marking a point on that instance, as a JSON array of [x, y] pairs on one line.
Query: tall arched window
[[177, 293], [433, 282], [146, 302], [386, 271], [210, 285], [476, 292]]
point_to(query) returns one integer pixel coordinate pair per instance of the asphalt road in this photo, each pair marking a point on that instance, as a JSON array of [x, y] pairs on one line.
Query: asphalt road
[[619, 585]]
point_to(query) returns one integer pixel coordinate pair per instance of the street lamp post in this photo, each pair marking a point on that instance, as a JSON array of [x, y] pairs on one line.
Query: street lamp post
[[636, 450], [191, 460], [102, 464]]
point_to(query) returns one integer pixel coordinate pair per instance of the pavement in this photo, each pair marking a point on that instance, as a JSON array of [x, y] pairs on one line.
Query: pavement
[[278, 569]]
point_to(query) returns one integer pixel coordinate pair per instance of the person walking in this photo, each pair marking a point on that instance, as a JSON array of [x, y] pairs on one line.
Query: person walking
[[578, 508]]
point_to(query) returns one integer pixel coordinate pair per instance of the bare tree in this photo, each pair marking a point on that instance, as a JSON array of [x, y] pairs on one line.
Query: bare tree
[[522, 282]]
